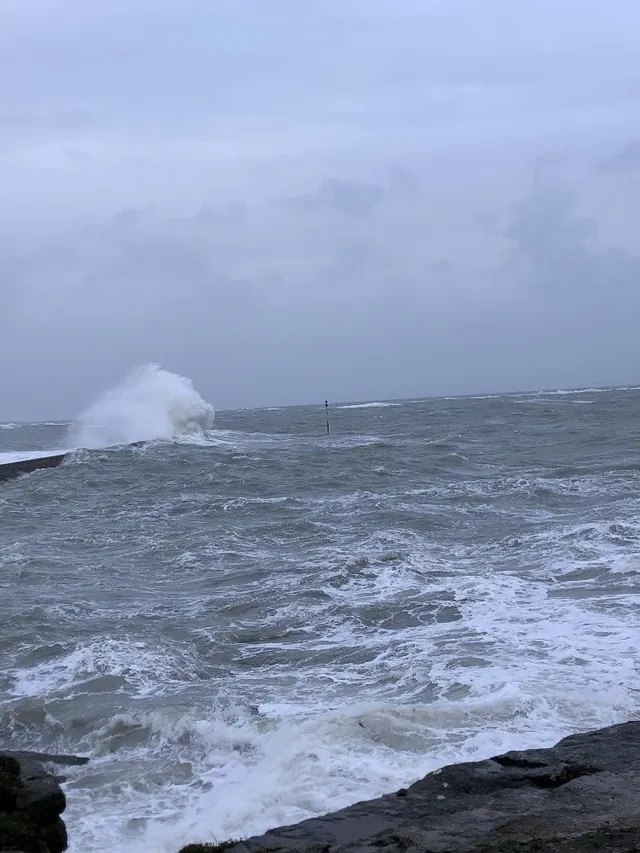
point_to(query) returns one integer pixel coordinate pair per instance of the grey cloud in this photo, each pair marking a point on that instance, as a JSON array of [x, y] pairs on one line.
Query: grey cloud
[[290, 201], [626, 160], [62, 121], [347, 197], [77, 157], [553, 242], [362, 322], [580, 297], [143, 66], [356, 198], [132, 216], [232, 213], [560, 250], [16, 128]]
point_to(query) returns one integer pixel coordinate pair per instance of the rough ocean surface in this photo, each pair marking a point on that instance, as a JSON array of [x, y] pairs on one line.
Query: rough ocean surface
[[251, 624]]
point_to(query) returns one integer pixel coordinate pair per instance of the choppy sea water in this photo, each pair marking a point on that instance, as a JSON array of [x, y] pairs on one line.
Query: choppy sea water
[[258, 623]]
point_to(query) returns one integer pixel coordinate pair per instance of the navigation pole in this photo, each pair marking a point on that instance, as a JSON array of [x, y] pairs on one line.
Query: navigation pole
[[326, 408]]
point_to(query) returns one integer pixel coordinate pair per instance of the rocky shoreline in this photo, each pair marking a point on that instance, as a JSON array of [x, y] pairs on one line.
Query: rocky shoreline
[[31, 802], [580, 796]]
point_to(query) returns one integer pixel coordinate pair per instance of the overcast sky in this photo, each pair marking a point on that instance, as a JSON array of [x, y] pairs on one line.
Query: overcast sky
[[287, 201]]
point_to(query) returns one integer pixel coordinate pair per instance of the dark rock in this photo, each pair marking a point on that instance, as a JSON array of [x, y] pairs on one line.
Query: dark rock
[[47, 757], [40, 795], [581, 796], [18, 833], [31, 802], [9, 470], [9, 783], [55, 835]]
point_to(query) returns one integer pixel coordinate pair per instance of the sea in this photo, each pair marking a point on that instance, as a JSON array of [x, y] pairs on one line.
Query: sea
[[244, 622]]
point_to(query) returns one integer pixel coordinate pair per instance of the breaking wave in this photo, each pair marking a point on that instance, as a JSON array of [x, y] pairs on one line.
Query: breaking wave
[[149, 404]]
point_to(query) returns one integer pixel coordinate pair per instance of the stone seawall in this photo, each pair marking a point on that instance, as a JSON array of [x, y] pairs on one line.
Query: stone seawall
[[9, 470]]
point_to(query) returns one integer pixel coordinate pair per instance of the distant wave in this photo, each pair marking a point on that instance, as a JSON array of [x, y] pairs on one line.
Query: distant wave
[[374, 405], [552, 392], [11, 425], [20, 455], [150, 404], [565, 392]]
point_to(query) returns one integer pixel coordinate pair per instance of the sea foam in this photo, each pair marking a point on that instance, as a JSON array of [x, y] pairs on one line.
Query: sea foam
[[149, 404]]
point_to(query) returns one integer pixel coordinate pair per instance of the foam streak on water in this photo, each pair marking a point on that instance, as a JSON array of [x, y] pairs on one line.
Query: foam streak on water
[[269, 623]]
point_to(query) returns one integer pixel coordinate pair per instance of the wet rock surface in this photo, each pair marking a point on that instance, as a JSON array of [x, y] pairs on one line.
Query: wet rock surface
[[31, 802], [581, 796]]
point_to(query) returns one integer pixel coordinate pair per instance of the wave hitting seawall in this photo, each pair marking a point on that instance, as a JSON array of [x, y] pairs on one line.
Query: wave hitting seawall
[[149, 404]]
